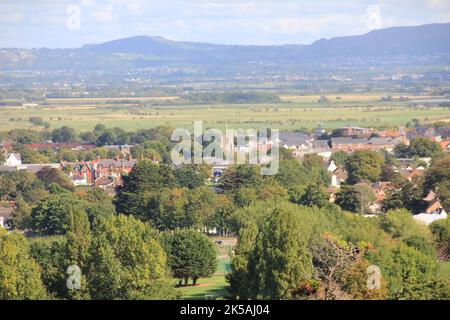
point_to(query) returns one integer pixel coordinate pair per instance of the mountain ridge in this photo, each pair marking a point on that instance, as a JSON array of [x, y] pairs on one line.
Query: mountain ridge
[[150, 51], [432, 31]]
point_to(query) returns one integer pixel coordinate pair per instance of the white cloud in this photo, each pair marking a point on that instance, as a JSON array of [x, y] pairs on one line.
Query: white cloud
[[438, 4], [104, 14]]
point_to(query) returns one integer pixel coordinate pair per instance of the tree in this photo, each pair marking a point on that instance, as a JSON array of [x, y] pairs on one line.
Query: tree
[[29, 156], [51, 175], [422, 147], [364, 165], [339, 158], [127, 261], [405, 194], [292, 173], [240, 176], [98, 203], [200, 206], [21, 216], [51, 215], [20, 275], [222, 214], [441, 235], [407, 271], [106, 138], [192, 176], [50, 254], [339, 267], [317, 172], [144, 178], [21, 183], [190, 255], [64, 134], [88, 137], [56, 254], [271, 257], [402, 151], [314, 195], [355, 198], [400, 224], [418, 147], [437, 178]]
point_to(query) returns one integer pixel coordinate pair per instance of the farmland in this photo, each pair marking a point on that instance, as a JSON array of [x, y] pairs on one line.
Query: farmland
[[292, 113]]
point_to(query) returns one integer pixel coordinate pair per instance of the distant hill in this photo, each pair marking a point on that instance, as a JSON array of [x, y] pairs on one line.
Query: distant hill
[[144, 51], [420, 40]]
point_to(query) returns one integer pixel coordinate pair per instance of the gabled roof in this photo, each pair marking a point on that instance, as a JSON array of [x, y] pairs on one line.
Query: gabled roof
[[337, 141], [435, 206], [430, 196], [104, 181], [294, 138], [15, 155], [321, 144], [6, 212], [117, 163]]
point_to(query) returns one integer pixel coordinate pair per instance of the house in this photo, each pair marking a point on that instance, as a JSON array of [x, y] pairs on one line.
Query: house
[[428, 218], [351, 131], [5, 213], [374, 143], [386, 143], [348, 144], [434, 207], [338, 175], [78, 179], [431, 196], [379, 189], [445, 145], [294, 141], [87, 173], [13, 159], [435, 211], [322, 148], [105, 182], [418, 172]]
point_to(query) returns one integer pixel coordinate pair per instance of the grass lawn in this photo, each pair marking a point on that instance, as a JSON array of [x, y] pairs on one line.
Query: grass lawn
[[214, 287], [444, 270]]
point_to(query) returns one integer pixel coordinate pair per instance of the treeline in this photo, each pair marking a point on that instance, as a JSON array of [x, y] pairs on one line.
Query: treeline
[[286, 251], [231, 98], [100, 135]]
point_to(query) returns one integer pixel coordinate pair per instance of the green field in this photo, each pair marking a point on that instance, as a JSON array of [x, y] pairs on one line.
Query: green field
[[294, 112]]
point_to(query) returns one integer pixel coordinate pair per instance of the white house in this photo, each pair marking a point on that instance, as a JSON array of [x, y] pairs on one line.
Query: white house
[[428, 218], [13, 159]]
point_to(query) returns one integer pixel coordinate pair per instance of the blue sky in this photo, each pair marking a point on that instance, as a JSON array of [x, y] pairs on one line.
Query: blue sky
[[72, 23]]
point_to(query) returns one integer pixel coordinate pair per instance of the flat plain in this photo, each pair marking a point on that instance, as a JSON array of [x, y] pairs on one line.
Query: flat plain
[[292, 113]]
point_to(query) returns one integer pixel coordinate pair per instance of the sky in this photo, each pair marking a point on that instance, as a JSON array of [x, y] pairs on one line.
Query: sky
[[73, 23]]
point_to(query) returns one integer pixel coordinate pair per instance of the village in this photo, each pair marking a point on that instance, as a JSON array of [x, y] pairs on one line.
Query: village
[[106, 172]]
